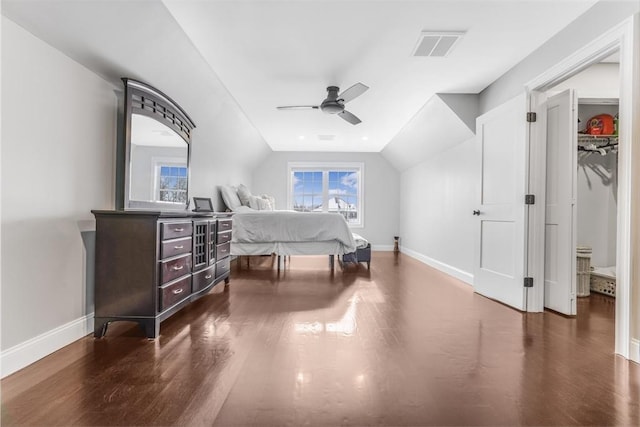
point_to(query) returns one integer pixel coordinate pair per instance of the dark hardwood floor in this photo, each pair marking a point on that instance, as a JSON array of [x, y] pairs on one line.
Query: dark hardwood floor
[[402, 344]]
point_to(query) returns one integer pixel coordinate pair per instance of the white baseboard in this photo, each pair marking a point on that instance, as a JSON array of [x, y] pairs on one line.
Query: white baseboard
[[383, 248], [634, 350], [445, 268], [24, 354]]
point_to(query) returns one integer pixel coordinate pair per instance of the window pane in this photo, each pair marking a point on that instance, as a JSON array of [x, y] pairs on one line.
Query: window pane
[[342, 192], [172, 184]]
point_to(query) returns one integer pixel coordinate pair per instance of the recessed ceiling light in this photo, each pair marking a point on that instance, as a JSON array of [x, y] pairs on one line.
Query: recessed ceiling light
[[365, 138], [301, 137]]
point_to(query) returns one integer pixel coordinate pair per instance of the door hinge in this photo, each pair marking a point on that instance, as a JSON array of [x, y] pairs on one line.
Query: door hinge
[[529, 199], [528, 282], [531, 117]]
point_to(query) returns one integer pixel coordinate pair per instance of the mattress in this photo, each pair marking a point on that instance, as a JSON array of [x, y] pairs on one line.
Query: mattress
[[290, 233]]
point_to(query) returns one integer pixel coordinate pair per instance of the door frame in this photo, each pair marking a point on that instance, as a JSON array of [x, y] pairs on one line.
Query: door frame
[[619, 38]]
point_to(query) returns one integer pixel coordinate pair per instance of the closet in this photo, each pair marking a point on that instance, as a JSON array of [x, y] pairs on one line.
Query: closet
[[597, 187], [588, 228]]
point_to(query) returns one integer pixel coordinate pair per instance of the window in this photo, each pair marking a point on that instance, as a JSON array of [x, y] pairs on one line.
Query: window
[[172, 184], [327, 187]]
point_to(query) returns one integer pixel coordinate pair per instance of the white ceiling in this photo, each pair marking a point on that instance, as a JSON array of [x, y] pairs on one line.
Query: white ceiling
[[269, 53]]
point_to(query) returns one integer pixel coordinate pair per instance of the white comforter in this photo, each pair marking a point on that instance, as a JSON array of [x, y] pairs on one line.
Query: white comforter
[[289, 226]]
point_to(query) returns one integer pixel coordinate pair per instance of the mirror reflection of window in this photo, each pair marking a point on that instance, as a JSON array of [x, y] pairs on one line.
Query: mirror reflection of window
[[172, 183], [158, 162]]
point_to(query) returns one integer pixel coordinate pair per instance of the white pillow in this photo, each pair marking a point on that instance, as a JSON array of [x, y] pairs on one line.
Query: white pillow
[[244, 194], [230, 197], [259, 204], [271, 200]]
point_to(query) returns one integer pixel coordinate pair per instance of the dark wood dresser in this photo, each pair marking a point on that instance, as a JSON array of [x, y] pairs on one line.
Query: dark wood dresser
[[149, 265]]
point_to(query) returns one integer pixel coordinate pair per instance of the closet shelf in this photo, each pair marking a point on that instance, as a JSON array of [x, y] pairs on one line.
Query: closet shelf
[[598, 140], [602, 144]]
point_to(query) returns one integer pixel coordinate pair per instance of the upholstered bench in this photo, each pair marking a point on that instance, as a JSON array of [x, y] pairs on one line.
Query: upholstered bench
[[362, 253]]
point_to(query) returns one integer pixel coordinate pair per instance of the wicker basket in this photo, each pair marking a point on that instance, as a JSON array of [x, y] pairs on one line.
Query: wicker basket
[[603, 284], [583, 271]]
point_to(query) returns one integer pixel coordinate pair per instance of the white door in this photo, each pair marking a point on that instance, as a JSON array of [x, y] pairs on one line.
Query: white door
[[499, 266], [560, 212]]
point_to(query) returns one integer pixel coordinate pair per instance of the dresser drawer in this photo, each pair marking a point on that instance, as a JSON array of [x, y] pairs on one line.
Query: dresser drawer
[[174, 292], [223, 250], [175, 267], [223, 267], [175, 247], [224, 225], [203, 278], [223, 238], [172, 230]]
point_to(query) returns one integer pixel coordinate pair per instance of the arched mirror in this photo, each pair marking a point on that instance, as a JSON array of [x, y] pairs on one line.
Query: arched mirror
[[157, 137]]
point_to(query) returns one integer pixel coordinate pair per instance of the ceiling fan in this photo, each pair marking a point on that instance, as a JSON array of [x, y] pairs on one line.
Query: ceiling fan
[[334, 103]]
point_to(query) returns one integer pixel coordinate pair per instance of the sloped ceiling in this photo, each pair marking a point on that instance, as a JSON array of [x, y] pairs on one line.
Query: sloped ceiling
[[443, 122], [269, 53], [142, 40]]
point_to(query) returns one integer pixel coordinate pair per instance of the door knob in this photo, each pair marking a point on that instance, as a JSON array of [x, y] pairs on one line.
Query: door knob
[[476, 212]]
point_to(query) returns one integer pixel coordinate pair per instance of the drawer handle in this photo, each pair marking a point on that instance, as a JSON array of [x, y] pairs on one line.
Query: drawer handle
[[177, 267], [177, 291], [179, 247], [178, 229], [208, 276]]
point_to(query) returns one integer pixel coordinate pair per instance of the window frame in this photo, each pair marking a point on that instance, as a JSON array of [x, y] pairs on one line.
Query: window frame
[[158, 164], [325, 168]]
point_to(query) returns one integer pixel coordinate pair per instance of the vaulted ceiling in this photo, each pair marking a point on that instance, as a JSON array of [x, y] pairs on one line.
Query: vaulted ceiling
[[270, 53]]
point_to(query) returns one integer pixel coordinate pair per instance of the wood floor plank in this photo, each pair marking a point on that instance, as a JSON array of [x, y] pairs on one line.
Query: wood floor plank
[[401, 344]]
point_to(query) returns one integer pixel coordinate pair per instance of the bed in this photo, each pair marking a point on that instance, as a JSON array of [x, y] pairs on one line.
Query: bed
[[286, 233], [258, 229]]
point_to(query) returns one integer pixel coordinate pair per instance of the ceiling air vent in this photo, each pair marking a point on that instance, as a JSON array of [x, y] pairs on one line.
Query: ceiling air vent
[[437, 43]]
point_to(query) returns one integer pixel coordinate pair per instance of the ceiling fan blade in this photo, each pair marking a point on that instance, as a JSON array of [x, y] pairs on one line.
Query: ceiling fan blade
[[353, 92], [349, 117], [298, 107]]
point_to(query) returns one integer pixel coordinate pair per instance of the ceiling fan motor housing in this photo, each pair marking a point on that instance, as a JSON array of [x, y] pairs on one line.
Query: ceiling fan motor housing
[[332, 105]]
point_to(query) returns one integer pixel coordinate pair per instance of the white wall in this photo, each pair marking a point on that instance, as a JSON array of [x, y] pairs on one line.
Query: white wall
[[597, 195], [58, 142], [597, 81], [58, 162], [603, 16], [437, 198], [444, 121], [381, 184], [597, 206], [226, 146]]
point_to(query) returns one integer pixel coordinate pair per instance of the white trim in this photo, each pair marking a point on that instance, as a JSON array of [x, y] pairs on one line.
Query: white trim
[[382, 248], [445, 268], [635, 350], [620, 37], [34, 349]]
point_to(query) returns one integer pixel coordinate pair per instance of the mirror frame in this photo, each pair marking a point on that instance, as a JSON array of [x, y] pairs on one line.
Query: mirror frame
[[141, 98]]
